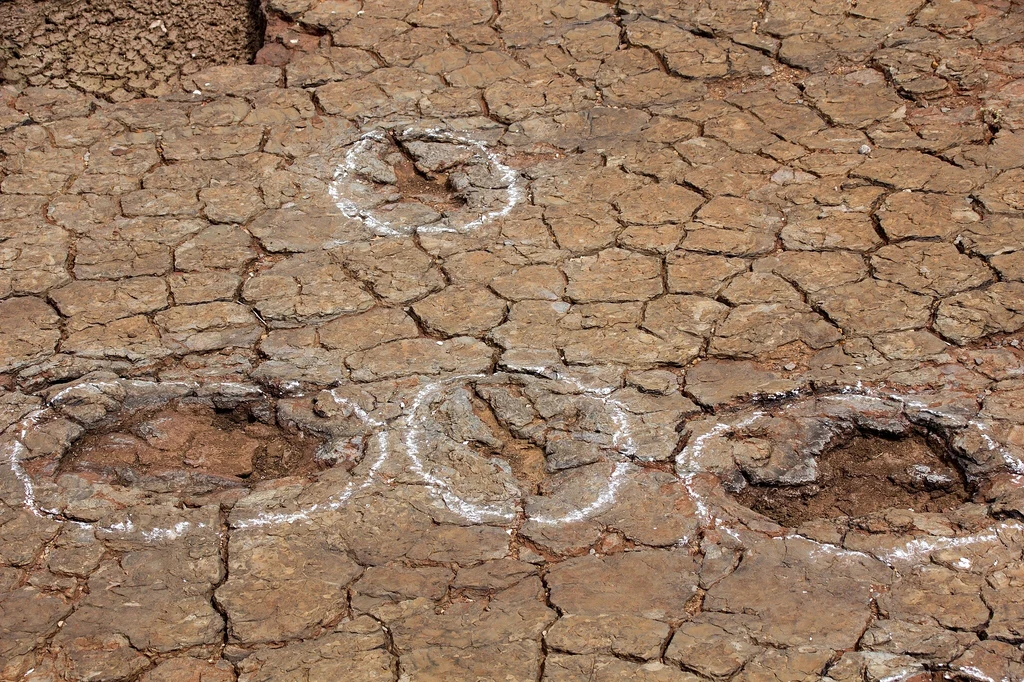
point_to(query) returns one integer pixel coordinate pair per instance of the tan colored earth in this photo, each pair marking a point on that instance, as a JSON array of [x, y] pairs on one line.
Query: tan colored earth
[[537, 341]]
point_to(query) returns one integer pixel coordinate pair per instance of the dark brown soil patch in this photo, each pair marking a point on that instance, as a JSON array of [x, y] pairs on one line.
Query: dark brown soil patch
[[431, 191], [123, 48], [233, 448], [863, 476]]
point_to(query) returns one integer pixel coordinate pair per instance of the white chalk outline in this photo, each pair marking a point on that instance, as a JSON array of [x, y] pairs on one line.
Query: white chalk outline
[[32, 504], [977, 674], [32, 419], [913, 550], [475, 513], [382, 228], [412, 425], [687, 466], [1014, 464], [689, 454], [440, 489], [622, 438]]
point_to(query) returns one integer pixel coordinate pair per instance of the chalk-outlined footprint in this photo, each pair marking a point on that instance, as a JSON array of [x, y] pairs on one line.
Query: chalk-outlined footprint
[[357, 179], [403, 437]]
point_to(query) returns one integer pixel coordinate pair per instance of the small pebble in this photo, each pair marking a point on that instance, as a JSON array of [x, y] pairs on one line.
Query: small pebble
[[864, 149]]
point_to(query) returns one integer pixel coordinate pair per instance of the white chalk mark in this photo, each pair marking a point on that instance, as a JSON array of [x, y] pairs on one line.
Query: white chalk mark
[[126, 526], [472, 512], [622, 438], [703, 511], [14, 459], [14, 451], [904, 674], [276, 519], [350, 208], [1014, 464], [172, 533], [976, 674], [604, 500], [515, 191], [90, 387], [921, 547], [688, 458], [688, 465]]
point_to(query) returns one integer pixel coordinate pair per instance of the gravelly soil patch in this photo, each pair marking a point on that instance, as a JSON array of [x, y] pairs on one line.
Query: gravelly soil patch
[[123, 49], [866, 474], [226, 447]]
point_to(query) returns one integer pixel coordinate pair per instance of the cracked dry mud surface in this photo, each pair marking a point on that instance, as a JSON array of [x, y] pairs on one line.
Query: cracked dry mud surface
[[122, 49], [484, 329]]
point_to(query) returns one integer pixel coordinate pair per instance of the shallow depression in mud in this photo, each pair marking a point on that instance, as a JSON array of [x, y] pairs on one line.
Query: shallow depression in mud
[[866, 474], [414, 183], [189, 445], [402, 181]]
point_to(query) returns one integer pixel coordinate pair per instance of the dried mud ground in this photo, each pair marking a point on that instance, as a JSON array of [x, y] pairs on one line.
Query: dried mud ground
[[120, 49], [539, 341]]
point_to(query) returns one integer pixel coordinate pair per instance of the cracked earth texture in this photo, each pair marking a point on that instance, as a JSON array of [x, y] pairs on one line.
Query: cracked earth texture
[[555, 284], [122, 49]]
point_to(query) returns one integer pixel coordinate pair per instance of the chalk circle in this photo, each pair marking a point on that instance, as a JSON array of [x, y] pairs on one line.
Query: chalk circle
[[781, 444], [448, 445], [473, 487], [168, 439], [403, 181], [438, 439]]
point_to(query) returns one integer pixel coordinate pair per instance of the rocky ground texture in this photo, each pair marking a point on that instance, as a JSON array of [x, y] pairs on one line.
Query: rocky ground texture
[[120, 49], [461, 340]]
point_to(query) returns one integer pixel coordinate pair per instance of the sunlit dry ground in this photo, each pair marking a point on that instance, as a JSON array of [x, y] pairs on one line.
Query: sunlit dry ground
[[533, 341]]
